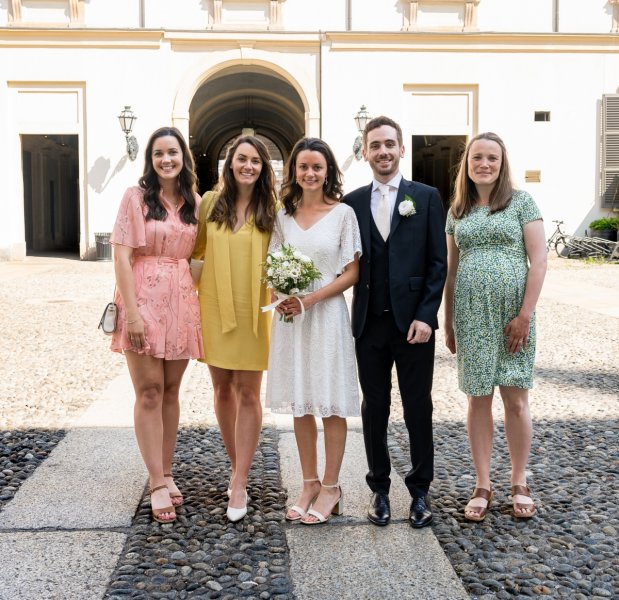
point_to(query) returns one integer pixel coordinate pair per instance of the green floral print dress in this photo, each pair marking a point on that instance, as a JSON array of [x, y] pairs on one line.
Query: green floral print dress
[[489, 290]]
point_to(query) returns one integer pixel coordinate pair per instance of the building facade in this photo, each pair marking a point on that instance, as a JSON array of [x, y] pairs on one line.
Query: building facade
[[543, 74]]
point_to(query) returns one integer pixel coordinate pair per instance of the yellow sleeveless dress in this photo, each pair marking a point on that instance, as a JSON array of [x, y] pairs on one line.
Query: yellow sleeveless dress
[[234, 329]]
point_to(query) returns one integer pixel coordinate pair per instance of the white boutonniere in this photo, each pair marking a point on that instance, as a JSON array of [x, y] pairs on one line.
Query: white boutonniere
[[407, 207]]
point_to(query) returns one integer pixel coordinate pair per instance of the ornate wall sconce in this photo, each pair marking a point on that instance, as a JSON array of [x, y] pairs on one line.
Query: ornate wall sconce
[[361, 119], [126, 119]]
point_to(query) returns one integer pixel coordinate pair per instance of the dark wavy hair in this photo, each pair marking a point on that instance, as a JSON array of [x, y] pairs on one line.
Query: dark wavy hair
[[291, 191], [465, 193], [187, 180], [263, 205]]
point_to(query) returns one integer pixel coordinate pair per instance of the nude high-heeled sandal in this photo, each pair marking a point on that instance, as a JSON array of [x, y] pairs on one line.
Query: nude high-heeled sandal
[[301, 512], [337, 509]]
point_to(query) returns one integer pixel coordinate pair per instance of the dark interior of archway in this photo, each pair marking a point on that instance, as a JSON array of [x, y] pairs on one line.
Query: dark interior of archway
[[240, 98]]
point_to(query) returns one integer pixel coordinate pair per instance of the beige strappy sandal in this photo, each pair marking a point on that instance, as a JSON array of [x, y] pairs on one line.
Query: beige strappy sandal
[[157, 512], [175, 495], [337, 510], [301, 512]]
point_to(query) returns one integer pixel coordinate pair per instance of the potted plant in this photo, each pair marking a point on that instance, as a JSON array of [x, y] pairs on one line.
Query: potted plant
[[606, 228]]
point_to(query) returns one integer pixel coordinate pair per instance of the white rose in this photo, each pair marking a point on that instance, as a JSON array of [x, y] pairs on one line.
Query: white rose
[[278, 254], [406, 208]]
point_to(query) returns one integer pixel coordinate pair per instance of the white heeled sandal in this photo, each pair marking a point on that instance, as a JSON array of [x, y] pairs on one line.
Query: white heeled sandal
[[298, 509], [236, 514], [337, 510]]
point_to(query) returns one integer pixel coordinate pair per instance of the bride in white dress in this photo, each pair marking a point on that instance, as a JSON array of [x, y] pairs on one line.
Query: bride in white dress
[[312, 370]]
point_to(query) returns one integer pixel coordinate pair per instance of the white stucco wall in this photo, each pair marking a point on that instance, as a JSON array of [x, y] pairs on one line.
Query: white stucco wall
[[564, 149], [575, 16], [157, 73], [592, 16], [325, 15], [376, 15], [112, 13], [518, 16], [161, 13]]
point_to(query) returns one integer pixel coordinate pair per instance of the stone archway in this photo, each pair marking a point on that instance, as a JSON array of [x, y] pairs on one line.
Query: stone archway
[[237, 98]]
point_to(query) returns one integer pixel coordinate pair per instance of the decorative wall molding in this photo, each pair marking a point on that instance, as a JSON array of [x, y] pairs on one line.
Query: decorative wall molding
[[275, 10], [75, 12], [469, 7]]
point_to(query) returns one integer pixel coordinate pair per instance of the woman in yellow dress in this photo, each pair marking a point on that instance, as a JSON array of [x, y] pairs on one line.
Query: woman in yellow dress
[[236, 222]]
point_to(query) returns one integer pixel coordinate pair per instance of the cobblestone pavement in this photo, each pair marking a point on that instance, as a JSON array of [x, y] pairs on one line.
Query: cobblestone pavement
[[55, 362], [570, 549]]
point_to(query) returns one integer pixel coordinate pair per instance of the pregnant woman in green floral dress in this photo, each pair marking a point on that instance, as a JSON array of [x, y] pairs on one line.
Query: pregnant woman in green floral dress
[[496, 267]]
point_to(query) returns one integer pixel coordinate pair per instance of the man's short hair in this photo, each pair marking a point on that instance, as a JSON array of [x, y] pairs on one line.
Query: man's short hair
[[377, 122]]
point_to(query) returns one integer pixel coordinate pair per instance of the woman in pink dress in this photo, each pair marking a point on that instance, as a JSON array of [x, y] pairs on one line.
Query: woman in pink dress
[[159, 316]]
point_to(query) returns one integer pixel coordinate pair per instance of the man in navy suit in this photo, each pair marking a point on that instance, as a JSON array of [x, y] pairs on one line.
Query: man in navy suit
[[394, 314]]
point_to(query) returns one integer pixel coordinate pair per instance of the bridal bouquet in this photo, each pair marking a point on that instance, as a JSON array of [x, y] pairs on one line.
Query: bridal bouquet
[[288, 272]]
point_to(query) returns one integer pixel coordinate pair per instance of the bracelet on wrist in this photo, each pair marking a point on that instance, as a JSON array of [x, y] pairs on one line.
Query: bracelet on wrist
[[132, 322]]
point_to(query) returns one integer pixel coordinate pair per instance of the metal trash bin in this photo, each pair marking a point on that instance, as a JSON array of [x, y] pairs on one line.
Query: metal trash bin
[[104, 248]]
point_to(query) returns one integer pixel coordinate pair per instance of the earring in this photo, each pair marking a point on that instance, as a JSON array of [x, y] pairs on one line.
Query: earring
[[326, 182]]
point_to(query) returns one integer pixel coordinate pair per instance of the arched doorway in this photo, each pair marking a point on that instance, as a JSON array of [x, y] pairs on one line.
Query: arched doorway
[[240, 98]]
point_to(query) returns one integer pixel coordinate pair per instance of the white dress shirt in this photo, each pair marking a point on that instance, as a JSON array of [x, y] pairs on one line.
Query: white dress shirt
[[393, 184]]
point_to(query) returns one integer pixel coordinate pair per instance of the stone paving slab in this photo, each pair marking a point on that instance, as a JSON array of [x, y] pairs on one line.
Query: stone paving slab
[[349, 558], [53, 565], [93, 478]]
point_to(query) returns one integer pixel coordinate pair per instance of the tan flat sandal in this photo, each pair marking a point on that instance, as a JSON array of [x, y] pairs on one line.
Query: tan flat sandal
[[157, 512], [177, 497], [522, 490], [478, 512]]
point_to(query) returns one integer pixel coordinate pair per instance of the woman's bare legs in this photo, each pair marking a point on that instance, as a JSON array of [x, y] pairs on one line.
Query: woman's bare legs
[[480, 427], [239, 414], [173, 371], [306, 435], [225, 409], [335, 432], [148, 377], [519, 432]]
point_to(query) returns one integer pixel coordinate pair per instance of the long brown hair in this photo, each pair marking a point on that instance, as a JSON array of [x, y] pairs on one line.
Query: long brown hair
[[263, 205], [187, 180], [465, 193], [291, 191]]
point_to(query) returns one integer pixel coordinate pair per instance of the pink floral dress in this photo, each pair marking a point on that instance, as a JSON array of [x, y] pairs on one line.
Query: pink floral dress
[[166, 296]]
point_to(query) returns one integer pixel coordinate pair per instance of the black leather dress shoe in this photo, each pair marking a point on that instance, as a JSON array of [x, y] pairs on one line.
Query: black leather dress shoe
[[379, 512], [420, 514]]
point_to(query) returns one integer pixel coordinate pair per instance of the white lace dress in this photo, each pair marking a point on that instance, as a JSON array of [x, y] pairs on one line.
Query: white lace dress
[[312, 367]]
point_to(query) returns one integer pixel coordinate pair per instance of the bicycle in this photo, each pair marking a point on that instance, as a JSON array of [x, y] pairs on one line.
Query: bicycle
[[575, 246], [558, 241]]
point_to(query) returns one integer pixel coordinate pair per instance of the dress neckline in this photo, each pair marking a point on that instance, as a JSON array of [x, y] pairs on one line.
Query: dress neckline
[[315, 222]]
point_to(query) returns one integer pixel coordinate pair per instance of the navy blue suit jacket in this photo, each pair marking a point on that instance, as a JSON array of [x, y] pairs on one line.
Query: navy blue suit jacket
[[417, 257]]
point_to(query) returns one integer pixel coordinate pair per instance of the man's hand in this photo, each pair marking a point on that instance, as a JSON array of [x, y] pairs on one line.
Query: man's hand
[[419, 333]]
